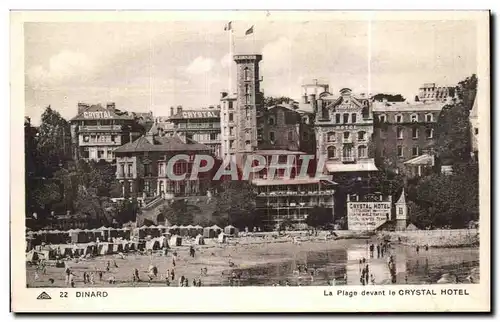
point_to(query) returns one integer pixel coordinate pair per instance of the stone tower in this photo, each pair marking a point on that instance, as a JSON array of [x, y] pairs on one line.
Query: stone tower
[[248, 101], [401, 212]]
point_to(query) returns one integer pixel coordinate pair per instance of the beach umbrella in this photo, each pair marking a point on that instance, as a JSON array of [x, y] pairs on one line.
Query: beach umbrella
[[77, 230], [215, 227], [161, 227], [102, 228], [71, 231]]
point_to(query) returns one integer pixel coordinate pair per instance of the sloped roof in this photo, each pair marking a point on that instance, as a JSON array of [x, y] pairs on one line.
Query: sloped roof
[[424, 159], [402, 198], [166, 144], [408, 107], [99, 108]]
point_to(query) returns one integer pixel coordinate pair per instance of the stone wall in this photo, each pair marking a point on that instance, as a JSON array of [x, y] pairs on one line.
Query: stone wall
[[436, 238]]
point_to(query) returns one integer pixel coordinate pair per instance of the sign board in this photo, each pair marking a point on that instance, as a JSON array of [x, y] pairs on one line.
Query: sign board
[[200, 114], [363, 216], [97, 115]]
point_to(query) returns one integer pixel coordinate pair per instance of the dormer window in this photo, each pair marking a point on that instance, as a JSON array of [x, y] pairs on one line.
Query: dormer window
[[382, 118], [429, 118], [414, 118], [272, 121], [399, 118]]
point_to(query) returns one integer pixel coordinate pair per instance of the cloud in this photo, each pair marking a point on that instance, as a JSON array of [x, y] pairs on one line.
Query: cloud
[[226, 60], [200, 65], [278, 55], [61, 67]]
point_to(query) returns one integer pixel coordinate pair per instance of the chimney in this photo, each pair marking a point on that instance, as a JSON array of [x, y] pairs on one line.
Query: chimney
[[130, 137], [312, 100], [319, 107], [82, 107], [223, 94], [179, 109], [171, 110], [304, 99], [111, 106]]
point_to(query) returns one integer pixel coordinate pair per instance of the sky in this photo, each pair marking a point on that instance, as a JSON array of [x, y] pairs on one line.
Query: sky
[[150, 66]]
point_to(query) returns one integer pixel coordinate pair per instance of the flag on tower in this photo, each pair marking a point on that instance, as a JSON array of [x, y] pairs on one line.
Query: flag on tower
[[228, 26], [249, 31]]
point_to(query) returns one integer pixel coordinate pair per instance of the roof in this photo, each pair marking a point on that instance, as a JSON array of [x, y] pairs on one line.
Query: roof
[[276, 182], [99, 112], [424, 159], [407, 106], [278, 152], [161, 144], [402, 198], [353, 167]]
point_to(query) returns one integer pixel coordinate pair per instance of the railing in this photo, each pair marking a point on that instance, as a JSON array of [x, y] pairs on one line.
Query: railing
[[154, 202], [348, 159]]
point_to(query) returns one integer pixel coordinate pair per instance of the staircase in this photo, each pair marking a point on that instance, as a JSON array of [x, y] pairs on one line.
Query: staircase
[[150, 210]]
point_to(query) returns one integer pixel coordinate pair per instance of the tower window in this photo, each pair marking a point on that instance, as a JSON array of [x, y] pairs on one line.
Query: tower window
[[400, 151], [399, 118], [428, 118], [247, 89], [414, 118], [429, 133], [399, 133], [230, 105], [331, 137], [271, 136], [246, 74], [247, 99], [230, 117]]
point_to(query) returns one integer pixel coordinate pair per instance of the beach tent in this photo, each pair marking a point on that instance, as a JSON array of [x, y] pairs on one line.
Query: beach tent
[[198, 229], [175, 240], [173, 229], [183, 231], [222, 238], [217, 229], [411, 227], [208, 232], [153, 244], [199, 240], [117, 248], [31, 256], [105, 249], [231, 230]]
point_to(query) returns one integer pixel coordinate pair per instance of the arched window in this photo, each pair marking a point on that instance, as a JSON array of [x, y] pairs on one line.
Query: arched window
[[331, 137], [399, 118], [246, 73], [272, 121], [429, 118], [347, 136], [362, 151], [414, 118], [332, 152], [361, 136], [399, 133]]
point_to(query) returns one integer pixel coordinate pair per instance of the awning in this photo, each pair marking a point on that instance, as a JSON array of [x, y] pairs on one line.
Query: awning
[[424, 159], [354, 167]]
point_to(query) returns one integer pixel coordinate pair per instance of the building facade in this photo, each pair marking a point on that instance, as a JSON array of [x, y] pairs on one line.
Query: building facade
[[97, 131], [474, 129], [202, 126], [228, 125], [344, 129], [142, 167], [430, 92], [404, 135]]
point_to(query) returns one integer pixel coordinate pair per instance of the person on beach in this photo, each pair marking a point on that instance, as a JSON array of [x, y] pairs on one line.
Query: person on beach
[[372, 248], [91, 278], [194, 282], [36, 276], [199, 282], [191, 251], [100, 275], [426, 247], [107, 266], [372, 279], [167, 281], [367, 273], [136, 275], [360, 265], [417, 249], [186, 282], [172, 274], [181, 280], [378, 250]]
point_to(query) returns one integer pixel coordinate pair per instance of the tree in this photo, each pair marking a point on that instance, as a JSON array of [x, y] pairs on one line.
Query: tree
[[272, 101], [126, 210], [178, 212], [389, 97], [466, 91], [319, 217], [452, 134], [236, 202]]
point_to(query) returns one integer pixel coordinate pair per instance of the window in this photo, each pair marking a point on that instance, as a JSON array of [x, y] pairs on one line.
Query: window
[[129, 168], [85, 138], [147, 170], [331, 136], [429, 133], [353, 117], [337, 118], [382, 118], [414, 133], [347, 135], [213, 136], [230, 117], [100, 154], [347, 152], [247, 144], [332, 151], [362, 151], [290, 136], [246, 74], [231, 130], [247, 99], [247, 89], [399, 118], [146, 186], [231, 144], [271, 136], [122, 169], [429, 118], [400, 151], [361, 136], [131, 187], [160, 169], [113, 138], [305, 120], [414, 118], [230, 105], [110, 154], [399, 133], [272, 121], [346, 117], [415, 151]]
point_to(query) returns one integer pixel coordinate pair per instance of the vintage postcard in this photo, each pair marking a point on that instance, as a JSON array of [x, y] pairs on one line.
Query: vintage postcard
[[261, 161]]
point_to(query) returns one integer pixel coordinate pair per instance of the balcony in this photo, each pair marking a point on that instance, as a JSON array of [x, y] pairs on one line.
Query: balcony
[[120, 175], [347, 140], [99, 143], [96, 128], [348, 159]]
